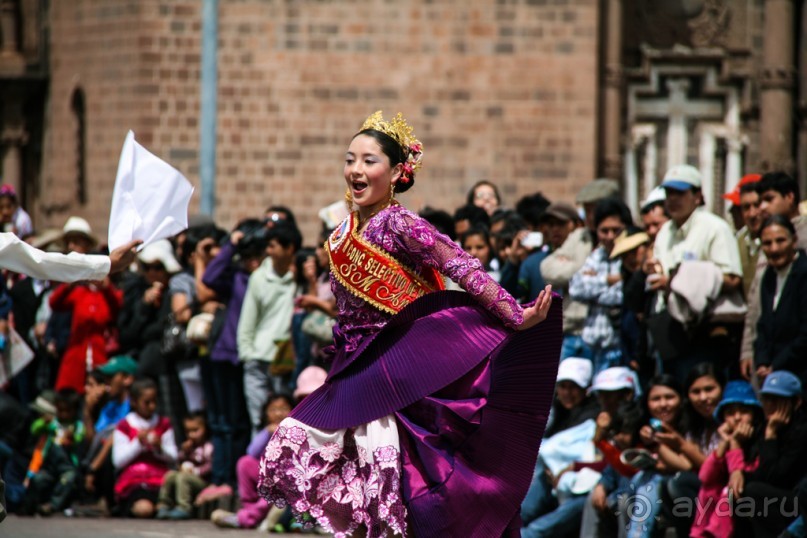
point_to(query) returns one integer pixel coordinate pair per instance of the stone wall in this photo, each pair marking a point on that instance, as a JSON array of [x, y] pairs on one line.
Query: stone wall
[[503, 90]]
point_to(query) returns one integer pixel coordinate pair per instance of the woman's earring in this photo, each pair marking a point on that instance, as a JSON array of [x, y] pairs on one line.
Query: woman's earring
[[349, 199], [391, 192]]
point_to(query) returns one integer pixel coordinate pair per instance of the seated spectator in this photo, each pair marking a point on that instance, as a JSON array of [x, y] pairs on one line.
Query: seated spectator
[[180, 488], [698, 437], [614, 434], [781, 462], [781, 342], [51, 478], [613, 386], [255, 509], [567, 440], [740, 415], [664, 403], [599, 285], [143, 451]]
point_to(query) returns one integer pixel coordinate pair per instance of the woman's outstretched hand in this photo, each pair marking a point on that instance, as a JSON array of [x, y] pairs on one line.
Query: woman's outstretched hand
[[537, 312]]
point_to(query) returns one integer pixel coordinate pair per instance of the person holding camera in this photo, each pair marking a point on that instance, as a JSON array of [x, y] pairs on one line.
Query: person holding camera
[[225, 280]]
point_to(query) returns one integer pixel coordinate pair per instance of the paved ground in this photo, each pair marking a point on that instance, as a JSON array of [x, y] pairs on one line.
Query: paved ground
[[63, 527]]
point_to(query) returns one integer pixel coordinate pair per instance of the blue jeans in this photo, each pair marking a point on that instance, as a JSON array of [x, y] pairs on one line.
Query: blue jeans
[[539, 499], [562, 521], [573, 346], [798, 527], [643, 504]]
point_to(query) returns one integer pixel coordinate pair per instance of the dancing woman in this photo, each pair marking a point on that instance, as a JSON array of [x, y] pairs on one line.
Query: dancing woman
[[430, 420]]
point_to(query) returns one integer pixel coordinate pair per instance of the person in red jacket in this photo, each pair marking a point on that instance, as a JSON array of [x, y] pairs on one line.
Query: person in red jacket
[[94, 306]]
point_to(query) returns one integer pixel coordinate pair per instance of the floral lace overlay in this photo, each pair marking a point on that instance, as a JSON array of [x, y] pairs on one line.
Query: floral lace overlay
[[417, 244], [339, 479]]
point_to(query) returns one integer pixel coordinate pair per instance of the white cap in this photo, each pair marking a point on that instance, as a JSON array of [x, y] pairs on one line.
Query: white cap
[[575, 370], [682, 177], [160, 251], [615, 378], [658, 194]]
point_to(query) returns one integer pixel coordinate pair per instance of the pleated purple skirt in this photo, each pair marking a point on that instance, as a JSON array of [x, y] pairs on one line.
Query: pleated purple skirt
[[471, 399]]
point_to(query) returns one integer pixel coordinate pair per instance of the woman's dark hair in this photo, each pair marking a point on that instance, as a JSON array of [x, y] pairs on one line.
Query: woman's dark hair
[[282, 209], [193, 236], [439, 219], [140, 386], [664, 380], [393, 151], [691, 421], [612, 207], [532, 208], [272, 399], [286, 234], [779, 220], [299, 260], [629, 418], [472, 192], [475, 215]]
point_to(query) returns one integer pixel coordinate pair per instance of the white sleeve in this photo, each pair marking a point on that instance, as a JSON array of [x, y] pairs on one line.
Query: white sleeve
[[124, 450], [20, 257], [169, 445]]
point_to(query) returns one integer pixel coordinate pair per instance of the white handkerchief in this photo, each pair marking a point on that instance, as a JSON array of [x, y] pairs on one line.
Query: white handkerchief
[[150, 200]]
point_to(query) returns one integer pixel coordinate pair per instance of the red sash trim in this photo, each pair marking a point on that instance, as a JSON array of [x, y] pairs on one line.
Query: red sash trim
[[372, 274]]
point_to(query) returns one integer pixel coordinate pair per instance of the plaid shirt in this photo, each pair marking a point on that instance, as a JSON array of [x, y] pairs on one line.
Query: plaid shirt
[[590, 285]]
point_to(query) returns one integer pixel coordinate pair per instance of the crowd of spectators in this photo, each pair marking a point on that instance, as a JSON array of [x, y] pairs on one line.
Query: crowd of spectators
[[678, 404]]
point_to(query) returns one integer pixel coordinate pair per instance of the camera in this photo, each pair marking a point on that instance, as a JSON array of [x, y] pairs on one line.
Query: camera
[[656, 424], [255, 239]]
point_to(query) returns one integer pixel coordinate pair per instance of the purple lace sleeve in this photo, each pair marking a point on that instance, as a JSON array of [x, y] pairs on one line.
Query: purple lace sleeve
[[424, 244]]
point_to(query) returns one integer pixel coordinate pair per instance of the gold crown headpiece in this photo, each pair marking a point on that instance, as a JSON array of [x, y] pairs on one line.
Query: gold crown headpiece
[[401, 132]]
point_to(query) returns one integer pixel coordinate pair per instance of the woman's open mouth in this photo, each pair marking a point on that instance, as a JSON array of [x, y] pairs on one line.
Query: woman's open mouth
[[358, 186]]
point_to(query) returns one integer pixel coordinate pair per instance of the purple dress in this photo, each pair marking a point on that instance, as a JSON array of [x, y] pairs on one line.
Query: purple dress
[[430, 420]]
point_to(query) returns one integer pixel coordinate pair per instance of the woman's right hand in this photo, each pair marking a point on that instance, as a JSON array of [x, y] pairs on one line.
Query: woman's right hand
[[538, 311], [153, 295]]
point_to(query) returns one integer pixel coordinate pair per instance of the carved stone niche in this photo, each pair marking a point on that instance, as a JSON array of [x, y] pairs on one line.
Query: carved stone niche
[[664, 24]]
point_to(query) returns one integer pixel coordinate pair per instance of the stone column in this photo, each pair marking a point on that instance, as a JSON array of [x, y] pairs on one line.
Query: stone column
[[13, 137], [776, 87], [613, 79], [802, 141], [9, 45]]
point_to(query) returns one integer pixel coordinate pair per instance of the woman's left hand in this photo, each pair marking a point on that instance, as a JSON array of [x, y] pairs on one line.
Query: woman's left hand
[[670, 438], [537, 312]]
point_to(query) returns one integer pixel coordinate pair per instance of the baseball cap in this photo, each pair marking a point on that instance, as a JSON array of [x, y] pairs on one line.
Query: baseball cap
[[597, 190], [781, 383], [733, 196], [682, 177], [575, 370], [736, 392], [119, 364], [658, 194], [160, 251], [614, 378], [561, 211]]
